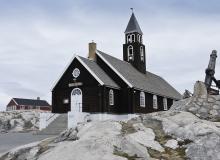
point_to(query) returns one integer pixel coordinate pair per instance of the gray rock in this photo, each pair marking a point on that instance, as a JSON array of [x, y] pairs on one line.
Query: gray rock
[[205, 148], [217, 97], [172, 144], [211, 99], [203, 110], [200, 90], [217, 103], [217, 107], [213, 112], [200, 100]]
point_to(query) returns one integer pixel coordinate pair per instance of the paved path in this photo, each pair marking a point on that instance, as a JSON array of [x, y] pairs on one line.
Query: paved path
[[12, 140]]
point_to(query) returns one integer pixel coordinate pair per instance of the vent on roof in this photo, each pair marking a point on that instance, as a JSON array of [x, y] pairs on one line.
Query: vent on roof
[[38, 98]]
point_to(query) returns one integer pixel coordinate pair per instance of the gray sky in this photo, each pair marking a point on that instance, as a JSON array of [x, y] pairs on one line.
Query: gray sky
[[39, 38]]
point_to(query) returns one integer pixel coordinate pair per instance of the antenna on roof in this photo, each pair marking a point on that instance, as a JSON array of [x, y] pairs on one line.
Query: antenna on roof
[[132, 10]]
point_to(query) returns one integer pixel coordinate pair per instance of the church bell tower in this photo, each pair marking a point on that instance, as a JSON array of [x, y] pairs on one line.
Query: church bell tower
[[133, 49]]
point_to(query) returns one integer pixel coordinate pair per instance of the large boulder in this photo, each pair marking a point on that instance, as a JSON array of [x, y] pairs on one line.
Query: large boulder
[[200, 90], [201, 104]]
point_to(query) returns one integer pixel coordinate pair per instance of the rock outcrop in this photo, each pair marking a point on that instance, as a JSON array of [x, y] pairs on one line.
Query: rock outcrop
[[200, 104], [162, 135], [19, 121]]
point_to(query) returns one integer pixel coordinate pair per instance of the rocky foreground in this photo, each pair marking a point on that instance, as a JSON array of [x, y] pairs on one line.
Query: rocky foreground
[[162, 135], [19, 121]]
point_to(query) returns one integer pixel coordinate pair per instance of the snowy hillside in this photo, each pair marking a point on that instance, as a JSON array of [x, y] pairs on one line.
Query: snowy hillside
[[17, 121]]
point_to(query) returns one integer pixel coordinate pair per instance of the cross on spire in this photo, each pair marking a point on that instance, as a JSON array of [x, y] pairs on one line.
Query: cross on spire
[[132, 10]]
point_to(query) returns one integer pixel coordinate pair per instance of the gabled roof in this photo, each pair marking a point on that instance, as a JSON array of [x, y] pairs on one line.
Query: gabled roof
[[107, 81], [148, 82], [133, 25], [30, 102], [94, 70]]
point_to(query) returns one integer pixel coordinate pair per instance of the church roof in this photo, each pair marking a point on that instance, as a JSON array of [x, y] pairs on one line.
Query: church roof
[[133, 25], [97, 70], [30, 102], [148, 82]]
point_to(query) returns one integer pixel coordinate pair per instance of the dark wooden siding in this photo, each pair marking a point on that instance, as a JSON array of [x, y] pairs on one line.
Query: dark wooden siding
[[169, 102], [160, 103], [124, 92], [90, 90], [148, 103], [112, 108]]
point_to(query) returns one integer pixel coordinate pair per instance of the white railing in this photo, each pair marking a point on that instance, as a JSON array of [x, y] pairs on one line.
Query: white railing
[[46, 119]]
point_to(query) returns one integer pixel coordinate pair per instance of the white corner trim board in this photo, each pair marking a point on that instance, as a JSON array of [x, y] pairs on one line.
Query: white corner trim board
[[87, 68], [90, 71], [14, 101], [114, 69]]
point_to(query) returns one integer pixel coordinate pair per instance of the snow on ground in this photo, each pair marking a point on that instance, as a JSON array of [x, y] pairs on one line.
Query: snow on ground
[[19, 121], [161, 135]]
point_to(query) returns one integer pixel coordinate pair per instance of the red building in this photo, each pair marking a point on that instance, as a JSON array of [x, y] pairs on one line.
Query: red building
[[28, 104]]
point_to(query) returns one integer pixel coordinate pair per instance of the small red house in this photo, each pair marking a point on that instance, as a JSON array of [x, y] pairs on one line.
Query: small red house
[[28, 104]]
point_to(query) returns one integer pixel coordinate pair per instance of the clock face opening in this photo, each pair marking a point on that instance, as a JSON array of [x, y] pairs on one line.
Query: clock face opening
[[76, 73]]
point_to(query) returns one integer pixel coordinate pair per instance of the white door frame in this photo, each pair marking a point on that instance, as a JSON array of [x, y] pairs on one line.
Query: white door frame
[[76, 100]]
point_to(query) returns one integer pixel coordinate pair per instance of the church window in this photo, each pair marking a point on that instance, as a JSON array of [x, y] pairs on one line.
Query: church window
[[76, 73], [111, 97], [155, 105], [130, 53], [142, 53], [165, 103], [128, 38], [133, 38], [139, 38], [142, 99]]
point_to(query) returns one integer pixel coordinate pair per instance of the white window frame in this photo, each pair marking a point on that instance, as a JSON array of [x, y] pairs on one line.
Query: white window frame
[[165, 104], [142, 53], [111, 97], [129, 38], [155, 104], [13, 107], [139, 38], [132, 37], [142, 99], [130, 55]]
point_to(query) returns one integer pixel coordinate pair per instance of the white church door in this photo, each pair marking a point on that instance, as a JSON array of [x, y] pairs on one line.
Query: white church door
[[76, 100]]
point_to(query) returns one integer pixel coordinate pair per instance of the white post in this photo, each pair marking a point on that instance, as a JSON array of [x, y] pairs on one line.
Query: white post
[[43, 119]]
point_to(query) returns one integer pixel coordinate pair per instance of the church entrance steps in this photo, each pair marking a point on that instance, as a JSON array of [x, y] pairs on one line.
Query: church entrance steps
[[56, 126]]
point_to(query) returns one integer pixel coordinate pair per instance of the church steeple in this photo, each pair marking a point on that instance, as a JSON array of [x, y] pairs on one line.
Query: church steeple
[[133, 49], [133, 25]]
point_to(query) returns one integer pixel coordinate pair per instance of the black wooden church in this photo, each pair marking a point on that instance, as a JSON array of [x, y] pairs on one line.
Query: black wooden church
[[103, 83]]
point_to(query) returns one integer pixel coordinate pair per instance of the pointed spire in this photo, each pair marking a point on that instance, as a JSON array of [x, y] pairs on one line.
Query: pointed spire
[[133, 25]]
